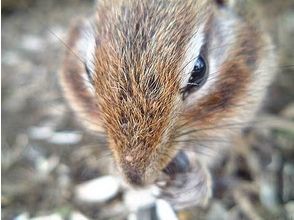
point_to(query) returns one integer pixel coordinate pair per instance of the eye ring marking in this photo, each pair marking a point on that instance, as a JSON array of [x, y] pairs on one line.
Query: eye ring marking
[[198, 77]]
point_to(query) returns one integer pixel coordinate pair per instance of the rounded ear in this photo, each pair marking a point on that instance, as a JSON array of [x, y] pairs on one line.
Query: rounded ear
[[75, 74]]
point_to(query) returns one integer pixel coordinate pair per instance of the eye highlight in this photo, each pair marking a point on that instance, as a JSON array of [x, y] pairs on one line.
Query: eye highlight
[[197, 78]]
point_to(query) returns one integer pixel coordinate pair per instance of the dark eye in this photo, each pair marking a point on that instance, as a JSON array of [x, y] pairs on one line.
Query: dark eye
[[197, 78]]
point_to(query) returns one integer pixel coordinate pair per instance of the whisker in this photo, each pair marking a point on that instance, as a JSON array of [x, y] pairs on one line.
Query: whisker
[[196, 140], [211, 109], [66, 45], [227, 126]]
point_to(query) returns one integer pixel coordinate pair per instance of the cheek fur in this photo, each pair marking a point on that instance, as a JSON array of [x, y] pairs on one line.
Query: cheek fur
[[221, 102]]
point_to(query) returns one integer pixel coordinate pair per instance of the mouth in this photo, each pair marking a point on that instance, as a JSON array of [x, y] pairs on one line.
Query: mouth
[[183, 183], [180, 164]]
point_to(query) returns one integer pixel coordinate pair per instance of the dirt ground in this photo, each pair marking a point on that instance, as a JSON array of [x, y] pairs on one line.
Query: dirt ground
[[46, 154]]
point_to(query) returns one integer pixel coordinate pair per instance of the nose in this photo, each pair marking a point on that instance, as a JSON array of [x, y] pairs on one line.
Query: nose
[[133, 176]]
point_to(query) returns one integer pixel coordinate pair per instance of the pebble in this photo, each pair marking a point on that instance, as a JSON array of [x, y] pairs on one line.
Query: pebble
[[268, 194], [40, 133], [23, 216], [144, 214], [98, 190], [288, 179], [11, 58], [139, 199], [217, 211], [78, 216], [45, 165], [164, 211], [48, 217], [65, 137], [288, 112], [32, 43], [290, 209]]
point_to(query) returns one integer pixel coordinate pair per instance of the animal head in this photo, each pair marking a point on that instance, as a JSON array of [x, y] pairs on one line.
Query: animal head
[[161, 75]]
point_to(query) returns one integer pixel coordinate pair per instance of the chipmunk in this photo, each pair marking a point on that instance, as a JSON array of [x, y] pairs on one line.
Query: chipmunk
[[169, 82]]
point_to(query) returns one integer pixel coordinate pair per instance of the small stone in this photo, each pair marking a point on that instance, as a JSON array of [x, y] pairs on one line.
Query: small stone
[[45, 165], [78, 216], [48, 217], [32, 43], [139, 199], [65, 137], [11, 58], [40, 133], [148, 213], [268, 195], [217, 211], [288, 179], [117, 208], [164, 210], [23, 216], [98, 190], [290, 210], [288, 112]]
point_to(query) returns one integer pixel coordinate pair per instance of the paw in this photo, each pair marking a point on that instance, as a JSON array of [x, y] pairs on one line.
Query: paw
[[189, 186]]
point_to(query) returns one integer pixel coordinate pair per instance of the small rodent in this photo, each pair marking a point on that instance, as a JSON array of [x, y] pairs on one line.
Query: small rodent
[[163, 76]]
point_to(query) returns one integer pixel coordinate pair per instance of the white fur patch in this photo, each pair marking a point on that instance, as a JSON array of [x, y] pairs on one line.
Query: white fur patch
[[216, 56], [86, 50], [192, 53]]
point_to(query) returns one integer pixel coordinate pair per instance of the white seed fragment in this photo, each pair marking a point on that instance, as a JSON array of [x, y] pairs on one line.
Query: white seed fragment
[[77, 216], [32, 43], [40, 133], [48, 217], [23, 216], [164, 210], [65, 137], [139, 199], [98, 190]]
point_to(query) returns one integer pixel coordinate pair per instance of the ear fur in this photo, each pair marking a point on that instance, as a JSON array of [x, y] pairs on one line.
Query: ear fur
[[73, 75]]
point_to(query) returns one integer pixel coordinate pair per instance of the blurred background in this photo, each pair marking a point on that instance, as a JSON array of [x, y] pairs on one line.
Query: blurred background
[[51, 166]]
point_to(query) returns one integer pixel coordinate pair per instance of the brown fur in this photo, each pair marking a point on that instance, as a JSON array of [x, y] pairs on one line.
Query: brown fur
[[138, 106], [139, 55]]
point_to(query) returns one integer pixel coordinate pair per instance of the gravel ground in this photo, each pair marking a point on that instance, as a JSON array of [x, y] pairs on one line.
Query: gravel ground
[[50, 164]]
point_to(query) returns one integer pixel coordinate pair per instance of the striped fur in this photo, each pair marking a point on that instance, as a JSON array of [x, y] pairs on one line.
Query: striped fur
[[144, 52]]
